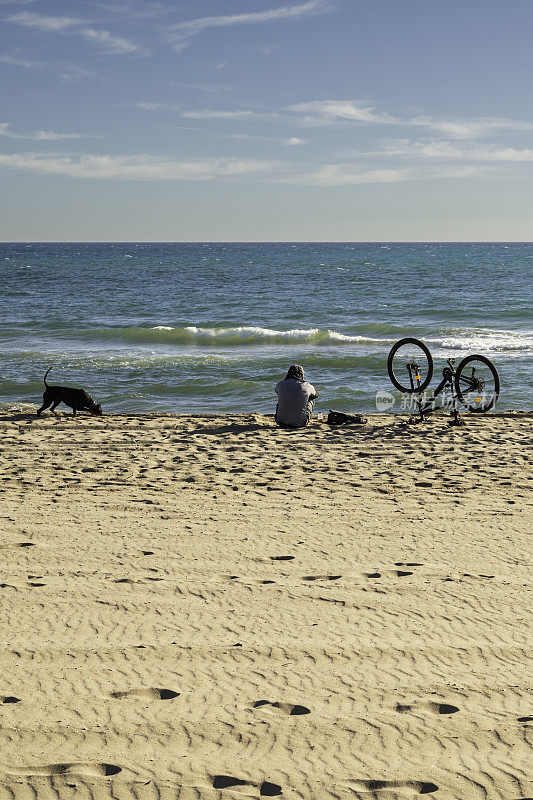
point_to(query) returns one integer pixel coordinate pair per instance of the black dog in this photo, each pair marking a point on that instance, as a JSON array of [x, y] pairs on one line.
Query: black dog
[[77, 399]]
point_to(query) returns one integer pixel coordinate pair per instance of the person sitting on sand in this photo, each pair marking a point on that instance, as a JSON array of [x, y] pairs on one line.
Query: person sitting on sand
[[295, 399]]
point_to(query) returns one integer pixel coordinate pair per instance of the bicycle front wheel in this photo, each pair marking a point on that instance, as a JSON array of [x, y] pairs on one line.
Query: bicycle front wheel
[[410, 365], [477, 383]]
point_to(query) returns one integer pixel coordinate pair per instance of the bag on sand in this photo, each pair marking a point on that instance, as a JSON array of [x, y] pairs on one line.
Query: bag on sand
[[339, 418]]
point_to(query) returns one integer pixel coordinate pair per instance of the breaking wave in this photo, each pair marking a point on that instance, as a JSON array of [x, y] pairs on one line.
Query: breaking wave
[[471, 340], [241, 335]]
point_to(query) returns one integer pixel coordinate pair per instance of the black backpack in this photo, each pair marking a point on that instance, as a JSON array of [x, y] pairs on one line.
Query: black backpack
[[339, 418]]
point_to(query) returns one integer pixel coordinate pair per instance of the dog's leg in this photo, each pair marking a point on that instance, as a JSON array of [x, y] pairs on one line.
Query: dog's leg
[[73, 412], [53, 409], [46, 404]]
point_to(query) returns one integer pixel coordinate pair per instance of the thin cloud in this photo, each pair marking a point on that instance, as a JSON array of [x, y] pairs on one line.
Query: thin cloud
[[348, 175], [20, 62], [159, 106], [29, 19], [132, 10], [72, 72], [208, 88], [207, 113], [66, 72], [137, 167], [180, 35], [42, 136], [110, 43], [472, 128], [267, 49], [447, 151], [352, 175], [330, 112], [291, 142], [77, 26], [326, 112]]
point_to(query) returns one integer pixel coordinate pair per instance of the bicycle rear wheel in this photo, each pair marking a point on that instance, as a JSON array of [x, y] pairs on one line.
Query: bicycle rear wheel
[[410, 365], [477, 383]]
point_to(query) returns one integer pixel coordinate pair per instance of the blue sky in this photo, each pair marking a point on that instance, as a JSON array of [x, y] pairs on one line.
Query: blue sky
[[336, 120]]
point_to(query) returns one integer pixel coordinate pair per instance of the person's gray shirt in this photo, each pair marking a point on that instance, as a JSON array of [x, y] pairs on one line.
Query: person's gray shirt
[[294, 402]]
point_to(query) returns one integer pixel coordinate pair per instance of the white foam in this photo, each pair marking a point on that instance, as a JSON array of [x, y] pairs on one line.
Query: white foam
[[486, 340]]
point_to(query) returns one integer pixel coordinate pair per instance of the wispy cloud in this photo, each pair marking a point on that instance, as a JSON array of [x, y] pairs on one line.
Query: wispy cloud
[[136, 167], [20, 62], [267, 49], [66, 71], [292, 141], [472, 128], [207, 113], [42, 136], [144, 167], [72, 72], [349, 175], [159, 106], [354, 174], [326, 112], [29, 19], [320, 113], [181, 34], [329, 112], [208, 88], [445, 150], [79, 27], [110, 43], [132, 9]]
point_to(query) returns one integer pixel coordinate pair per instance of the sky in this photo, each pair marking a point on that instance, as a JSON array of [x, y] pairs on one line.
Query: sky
[[264, 120]]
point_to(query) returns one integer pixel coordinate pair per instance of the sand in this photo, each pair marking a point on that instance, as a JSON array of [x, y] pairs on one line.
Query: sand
[[212, 607]]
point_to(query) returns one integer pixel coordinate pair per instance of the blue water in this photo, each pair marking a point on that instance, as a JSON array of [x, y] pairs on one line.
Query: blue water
[[212, 327]]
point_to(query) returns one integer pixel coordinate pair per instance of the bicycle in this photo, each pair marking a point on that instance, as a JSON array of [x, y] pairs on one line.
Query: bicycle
[[475, 382]]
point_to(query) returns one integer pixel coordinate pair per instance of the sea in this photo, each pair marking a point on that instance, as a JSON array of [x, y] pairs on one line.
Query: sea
[[211, 327]]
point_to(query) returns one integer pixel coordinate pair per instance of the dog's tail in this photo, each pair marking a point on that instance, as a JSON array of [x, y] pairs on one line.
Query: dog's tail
[[45, 374]]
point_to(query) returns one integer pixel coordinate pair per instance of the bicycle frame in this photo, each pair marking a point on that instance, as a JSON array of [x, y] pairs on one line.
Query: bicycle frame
[[448, 374]]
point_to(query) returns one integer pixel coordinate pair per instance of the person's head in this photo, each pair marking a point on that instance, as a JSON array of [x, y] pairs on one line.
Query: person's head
[[296, 371]]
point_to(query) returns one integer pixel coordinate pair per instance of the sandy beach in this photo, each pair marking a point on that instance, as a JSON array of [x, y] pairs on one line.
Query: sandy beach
[[212, 607]]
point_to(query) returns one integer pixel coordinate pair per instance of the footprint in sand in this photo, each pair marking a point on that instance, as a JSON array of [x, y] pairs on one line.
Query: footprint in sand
[[152, 694], [520, 719], [321, 577], [17, 544], [266, 788], [430, 705], [89, 769], [285, 709], [401, 788], [399, 573], [7, 698], [281, 558]]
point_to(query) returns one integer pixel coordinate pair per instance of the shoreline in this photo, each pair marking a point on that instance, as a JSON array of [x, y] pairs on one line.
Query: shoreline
[[209, 606]]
